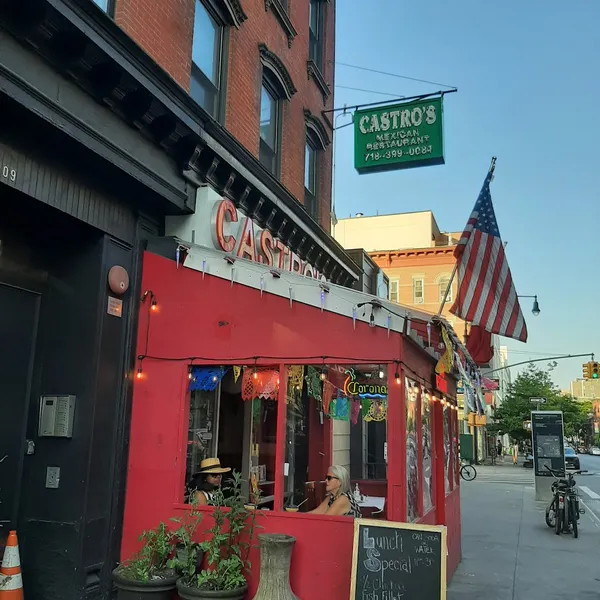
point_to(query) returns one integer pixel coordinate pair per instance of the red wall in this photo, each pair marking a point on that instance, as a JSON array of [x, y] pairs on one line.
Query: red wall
[[208, 318]]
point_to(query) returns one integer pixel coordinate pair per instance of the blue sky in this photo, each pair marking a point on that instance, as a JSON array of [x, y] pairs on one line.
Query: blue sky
[[528, 79]]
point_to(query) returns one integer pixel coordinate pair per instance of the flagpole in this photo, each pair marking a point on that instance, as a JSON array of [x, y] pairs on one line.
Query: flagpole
[[453, 275]]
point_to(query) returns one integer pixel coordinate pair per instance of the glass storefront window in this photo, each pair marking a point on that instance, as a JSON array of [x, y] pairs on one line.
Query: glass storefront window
[[427, 463], [447, 451], [233, 417], [354, 400], [412, 455]]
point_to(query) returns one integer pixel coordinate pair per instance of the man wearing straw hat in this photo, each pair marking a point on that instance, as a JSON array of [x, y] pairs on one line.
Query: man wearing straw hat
[[207, 480]]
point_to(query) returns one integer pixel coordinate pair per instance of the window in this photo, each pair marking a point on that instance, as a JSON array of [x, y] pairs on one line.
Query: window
[[106, 5], [412, 450], [444, 281], [394, 290], [270, 118], [311, 167], [206, 60], [315, 50], [418, 291]]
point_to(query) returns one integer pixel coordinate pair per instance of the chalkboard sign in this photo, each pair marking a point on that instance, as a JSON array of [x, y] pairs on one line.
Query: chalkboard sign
[[398, 561]]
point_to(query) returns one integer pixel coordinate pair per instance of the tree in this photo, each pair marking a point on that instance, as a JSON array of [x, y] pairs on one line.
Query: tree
[[516, 407]]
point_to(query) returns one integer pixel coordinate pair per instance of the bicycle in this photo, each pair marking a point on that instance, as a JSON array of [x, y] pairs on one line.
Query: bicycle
[[468, 472], [563, 510]]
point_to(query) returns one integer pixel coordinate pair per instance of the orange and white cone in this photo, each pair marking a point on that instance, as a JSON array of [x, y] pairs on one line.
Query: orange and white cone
[[11, 581]]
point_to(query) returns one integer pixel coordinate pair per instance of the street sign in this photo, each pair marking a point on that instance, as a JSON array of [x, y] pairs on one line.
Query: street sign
[[538, 400]]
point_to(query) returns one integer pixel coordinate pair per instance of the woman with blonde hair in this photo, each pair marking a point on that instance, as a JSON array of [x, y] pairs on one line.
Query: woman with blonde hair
[[339, 500]]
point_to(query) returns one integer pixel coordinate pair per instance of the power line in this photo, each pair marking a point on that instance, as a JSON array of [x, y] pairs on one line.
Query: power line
[[342, 64], [344, 87]]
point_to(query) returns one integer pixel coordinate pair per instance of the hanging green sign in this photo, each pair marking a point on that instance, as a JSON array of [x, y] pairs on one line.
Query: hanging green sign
[[396, 137]]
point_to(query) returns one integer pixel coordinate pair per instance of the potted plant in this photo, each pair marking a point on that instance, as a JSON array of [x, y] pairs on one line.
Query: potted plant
[[226, 549], [188, 553], [147, 573]]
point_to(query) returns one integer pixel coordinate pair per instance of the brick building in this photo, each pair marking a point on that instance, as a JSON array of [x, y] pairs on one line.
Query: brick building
[[126, 122], [243, 60]]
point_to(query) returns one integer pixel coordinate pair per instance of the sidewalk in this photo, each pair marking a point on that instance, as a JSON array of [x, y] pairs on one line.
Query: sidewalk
[[510, 554]]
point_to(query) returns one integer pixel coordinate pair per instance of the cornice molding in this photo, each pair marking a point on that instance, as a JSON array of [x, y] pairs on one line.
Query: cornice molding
[[317, 127], [315, 74], [235, 11], [275, 65], [283, 17]]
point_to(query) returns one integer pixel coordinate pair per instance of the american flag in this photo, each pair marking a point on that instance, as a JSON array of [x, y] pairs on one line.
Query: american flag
[[486, 293]]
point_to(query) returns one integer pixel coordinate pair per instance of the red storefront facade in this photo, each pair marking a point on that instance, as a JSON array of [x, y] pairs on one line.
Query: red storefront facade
[[228, 314]]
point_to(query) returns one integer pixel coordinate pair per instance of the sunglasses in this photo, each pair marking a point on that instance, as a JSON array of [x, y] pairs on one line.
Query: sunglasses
[[330, 477]]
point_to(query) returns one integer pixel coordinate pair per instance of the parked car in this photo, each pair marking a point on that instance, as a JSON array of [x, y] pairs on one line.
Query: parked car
[[594, 451], [571, 459], [581, 450]]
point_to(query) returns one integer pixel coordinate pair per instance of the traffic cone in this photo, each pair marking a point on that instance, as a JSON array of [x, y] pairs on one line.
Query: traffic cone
[[11, 581]]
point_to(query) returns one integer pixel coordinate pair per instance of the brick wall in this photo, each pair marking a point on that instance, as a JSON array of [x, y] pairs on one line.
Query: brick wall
[[164, 29]]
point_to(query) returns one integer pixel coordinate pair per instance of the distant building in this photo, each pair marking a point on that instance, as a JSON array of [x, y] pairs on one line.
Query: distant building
[[414, 253], [585, 389]]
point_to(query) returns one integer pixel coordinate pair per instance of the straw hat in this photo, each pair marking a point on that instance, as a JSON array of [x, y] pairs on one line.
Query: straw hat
[[212, 465]]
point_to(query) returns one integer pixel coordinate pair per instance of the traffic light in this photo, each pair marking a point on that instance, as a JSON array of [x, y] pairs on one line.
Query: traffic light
[[591, 370]]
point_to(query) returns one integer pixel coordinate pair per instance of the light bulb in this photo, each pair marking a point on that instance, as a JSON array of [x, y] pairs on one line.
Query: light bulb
[[190, 374], [153, 305], [139, 373], [397, 376], [381, 374], [255, 374], [323, 376]]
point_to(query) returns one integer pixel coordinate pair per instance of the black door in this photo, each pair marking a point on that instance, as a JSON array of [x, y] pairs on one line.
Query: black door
[[18, 326]]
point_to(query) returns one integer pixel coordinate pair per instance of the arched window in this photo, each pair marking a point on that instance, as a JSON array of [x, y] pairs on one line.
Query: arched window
[[277, 86], [316, 141]]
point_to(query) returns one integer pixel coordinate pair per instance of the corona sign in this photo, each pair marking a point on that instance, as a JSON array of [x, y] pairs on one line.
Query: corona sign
[[366, 391]]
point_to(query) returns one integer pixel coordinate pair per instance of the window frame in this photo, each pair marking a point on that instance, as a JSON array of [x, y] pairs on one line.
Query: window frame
[[196, 72], [271, 88], [314, 141], [394, 283], [110, 8], [318, 38], [443, 282], [422, 299]]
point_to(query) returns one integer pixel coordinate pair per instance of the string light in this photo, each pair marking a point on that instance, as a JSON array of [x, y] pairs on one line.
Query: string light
[[397, 377], [381, 373], [139, 372], [153, 305]]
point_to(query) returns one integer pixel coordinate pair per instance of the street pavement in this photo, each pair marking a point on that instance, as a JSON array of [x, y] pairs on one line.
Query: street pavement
[[508, 552]]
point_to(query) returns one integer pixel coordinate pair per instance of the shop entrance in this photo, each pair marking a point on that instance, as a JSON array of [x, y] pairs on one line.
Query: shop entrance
[[18, 326]]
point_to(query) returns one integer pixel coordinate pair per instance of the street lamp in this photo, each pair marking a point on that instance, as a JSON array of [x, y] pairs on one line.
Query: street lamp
[[536, 305]]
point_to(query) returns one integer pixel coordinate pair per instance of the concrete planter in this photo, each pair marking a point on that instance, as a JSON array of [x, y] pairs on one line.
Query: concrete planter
[[155, 589], [275, 557], [189, 593]]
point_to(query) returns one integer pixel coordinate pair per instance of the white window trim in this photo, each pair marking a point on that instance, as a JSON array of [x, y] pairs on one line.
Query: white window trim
[[394, 283], [421, 300]]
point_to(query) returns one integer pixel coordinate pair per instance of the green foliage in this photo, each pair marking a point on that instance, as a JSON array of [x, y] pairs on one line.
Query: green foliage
[[516, 407], [228, 544], [186, 557], [151, 560]]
